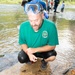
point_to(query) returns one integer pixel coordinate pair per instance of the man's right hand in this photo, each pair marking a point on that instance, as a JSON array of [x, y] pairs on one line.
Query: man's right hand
[[32, 57]]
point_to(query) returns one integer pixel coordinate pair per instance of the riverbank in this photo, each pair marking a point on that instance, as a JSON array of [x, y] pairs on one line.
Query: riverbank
[[27, 69], [13, 67]]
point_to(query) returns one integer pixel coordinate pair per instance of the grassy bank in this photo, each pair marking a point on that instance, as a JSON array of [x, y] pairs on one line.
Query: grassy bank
[[10, 1], [70, 2], [19, 1]]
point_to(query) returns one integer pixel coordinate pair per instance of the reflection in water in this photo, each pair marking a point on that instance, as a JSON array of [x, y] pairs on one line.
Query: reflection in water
[[54, 17], [14, 15]]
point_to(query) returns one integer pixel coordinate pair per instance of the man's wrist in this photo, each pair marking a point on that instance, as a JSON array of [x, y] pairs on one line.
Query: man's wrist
[[31, 50], [27, 50]]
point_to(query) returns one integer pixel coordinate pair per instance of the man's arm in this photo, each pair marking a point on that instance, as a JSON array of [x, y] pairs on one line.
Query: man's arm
[[32, 57], [24, 47], [41, 49], [44, 48]]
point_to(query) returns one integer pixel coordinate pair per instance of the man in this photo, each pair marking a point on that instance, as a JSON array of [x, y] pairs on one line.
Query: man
[[56, 3], [62, 6], [46, 15], [37, 37]]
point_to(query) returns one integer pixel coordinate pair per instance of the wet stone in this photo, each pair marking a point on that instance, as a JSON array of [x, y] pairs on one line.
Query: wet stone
[[8, 60], [1, 56]]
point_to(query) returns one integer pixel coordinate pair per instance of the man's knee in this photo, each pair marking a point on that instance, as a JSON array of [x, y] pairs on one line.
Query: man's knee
[[52, 58], [22, 57], [51, 53]]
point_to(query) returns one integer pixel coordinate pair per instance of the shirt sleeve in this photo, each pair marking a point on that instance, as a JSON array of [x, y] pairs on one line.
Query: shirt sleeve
[[53, 36], [22, 36]]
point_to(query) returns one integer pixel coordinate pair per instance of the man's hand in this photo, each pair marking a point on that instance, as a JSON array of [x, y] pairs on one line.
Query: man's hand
[[32, 57]]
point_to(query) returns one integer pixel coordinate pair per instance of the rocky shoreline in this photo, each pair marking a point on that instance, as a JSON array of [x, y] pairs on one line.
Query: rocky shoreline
[[10, 60]]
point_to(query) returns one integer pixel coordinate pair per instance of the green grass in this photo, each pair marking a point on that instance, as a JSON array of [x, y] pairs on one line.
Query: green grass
[[10, 1], [19, 1], [70, 3]]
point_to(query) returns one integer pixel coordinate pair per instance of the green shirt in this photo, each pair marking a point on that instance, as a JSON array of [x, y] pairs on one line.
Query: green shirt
[[46, 35]]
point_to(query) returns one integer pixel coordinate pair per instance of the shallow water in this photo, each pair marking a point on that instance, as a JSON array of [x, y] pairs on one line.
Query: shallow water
[[12, 15], [65, 23]]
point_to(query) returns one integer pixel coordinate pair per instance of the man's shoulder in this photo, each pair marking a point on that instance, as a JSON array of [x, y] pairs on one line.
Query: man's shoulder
[[24, 24], [48, 22]]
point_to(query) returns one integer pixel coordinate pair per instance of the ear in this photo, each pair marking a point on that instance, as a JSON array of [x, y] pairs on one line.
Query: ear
[[43, 15]]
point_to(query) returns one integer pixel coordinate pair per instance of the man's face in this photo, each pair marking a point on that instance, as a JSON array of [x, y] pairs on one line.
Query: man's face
[[35, 20]]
